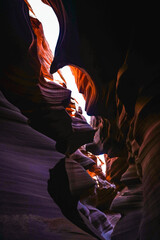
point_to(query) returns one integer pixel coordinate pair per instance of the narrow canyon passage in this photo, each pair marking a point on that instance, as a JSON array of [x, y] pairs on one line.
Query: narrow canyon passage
[[79, 121]]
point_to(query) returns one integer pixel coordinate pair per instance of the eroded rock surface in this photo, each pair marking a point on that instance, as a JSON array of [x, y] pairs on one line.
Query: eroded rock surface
[[117, 68]]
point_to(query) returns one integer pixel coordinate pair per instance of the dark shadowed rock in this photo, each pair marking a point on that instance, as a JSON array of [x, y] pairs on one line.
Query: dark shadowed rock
[[114, 52]]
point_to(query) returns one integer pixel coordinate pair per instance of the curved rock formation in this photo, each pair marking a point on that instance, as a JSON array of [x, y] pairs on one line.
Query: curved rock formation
[[115, 59], [26, 209]]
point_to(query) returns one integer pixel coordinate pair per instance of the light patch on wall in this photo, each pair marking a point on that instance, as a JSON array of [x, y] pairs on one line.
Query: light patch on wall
[[66, 71], [101, 162]]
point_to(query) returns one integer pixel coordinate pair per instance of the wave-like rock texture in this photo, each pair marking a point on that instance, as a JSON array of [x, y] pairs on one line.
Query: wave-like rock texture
[[149, 161], [129, 204], [27, 211], [117, 68], [27, 154]]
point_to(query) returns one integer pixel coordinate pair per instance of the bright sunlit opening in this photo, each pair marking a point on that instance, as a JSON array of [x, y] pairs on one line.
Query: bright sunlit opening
[[101, 163], [50, 23], [67, 73], [48, 18]]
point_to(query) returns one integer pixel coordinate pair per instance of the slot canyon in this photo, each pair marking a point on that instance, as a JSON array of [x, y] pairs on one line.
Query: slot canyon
[[62, 176]]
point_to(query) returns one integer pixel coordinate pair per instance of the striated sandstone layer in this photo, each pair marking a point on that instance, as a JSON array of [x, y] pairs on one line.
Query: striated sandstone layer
[[115, 60]]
